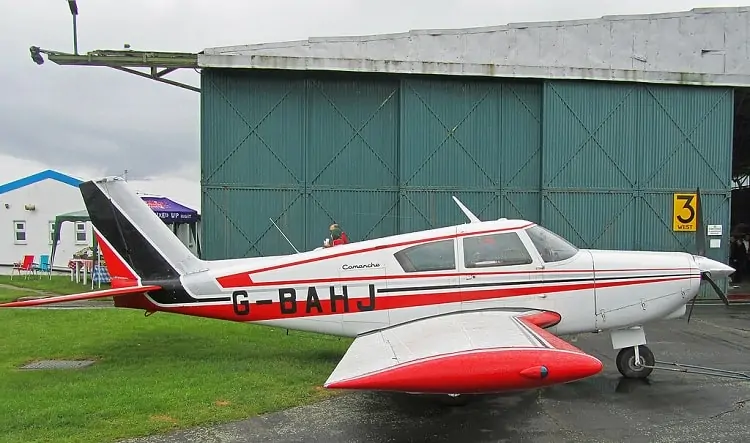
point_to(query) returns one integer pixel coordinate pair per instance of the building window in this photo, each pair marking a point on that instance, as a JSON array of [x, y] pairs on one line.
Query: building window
[[51, 232], [81, 233], [505, 249], [19, 232], [551, 246], [436, 256]]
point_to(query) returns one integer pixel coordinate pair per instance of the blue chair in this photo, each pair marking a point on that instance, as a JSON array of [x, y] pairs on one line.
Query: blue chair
[[99, 275], [44, 266]]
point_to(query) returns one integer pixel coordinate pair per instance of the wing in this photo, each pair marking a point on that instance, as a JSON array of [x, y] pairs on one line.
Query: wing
[[481, 351], [81, 296]]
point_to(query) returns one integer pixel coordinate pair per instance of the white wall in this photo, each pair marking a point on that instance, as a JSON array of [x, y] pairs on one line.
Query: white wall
[[183, 233], [50, 198]]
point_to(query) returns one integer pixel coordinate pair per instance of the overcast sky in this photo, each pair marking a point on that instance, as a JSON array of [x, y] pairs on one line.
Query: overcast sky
[[89, 122]]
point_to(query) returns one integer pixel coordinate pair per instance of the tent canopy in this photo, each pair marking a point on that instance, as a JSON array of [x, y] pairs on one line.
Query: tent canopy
[[170, 211], [77, 216], [167, 210]]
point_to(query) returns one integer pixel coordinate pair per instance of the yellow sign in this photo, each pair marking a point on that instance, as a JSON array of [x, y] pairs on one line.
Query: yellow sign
[[685, 213]]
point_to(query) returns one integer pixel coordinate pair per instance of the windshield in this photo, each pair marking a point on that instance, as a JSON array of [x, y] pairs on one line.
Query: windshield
[[551, 246]]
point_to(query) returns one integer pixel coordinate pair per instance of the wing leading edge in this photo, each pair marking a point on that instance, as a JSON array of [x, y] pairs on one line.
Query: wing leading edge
[[466, 352], [81, 296]]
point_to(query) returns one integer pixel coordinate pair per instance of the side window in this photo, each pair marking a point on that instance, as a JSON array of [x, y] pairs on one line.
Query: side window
[[19, 232], [436, 256], [80, 233], [551, 246], [504, 249]]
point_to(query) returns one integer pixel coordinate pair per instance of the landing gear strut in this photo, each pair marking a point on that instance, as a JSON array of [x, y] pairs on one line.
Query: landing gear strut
[[635, 362], [635, 359]]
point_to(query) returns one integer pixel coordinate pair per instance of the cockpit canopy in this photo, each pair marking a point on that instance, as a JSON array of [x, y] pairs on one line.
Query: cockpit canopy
[[486, 251], [551, 246]]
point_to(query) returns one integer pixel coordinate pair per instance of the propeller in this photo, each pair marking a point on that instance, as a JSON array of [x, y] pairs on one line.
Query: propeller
[[700, 245]]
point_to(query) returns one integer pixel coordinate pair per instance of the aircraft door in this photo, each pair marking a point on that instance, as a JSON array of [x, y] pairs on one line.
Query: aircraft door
[[423, 281], [451, 281], [495, 269], [566, 276]]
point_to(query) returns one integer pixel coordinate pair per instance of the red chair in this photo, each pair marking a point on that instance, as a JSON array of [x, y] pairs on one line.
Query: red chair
[[26, 265]]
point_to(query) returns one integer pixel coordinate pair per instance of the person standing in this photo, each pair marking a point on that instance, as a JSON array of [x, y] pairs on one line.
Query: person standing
[[737, 253]]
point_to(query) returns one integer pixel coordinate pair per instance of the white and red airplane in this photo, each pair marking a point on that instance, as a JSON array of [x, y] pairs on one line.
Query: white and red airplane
[[473, 308]]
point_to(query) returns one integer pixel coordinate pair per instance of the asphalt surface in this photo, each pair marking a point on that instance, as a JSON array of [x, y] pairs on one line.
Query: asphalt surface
[[670, 407]]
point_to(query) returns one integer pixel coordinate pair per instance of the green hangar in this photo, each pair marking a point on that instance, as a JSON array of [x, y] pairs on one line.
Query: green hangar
[[592, 128]]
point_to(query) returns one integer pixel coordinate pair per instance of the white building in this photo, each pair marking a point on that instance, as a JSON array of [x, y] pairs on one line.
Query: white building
[[28, 207]]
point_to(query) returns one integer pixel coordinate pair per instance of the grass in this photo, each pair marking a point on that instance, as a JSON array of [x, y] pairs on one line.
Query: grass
[[153, 374], [58, 284], [7, 295]]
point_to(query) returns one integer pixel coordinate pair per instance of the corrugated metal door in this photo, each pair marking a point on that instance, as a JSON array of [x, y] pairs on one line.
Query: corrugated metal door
[[589, 169], [478, 140], [351, 158], [252, 138], [614, 154]]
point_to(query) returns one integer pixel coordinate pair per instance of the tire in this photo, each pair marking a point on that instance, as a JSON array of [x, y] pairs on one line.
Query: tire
[[626, 362]]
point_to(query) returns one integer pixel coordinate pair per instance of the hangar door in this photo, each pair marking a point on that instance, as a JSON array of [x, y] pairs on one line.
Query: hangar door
[[299, 150], [614, 155], [476, 139]]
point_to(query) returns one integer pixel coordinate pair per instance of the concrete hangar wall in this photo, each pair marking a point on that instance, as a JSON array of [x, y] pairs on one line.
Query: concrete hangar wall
[[588, 127]]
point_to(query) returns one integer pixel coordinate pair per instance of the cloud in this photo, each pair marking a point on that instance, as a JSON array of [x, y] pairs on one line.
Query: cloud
[[99, 119]]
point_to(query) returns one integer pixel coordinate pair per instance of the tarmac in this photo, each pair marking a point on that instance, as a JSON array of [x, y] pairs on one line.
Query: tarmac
[[669, 407]]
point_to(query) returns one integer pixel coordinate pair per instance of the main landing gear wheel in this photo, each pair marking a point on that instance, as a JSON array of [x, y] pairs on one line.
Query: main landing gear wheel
[[630, 368]]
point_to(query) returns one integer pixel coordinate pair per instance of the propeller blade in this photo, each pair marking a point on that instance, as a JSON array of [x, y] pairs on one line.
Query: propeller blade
[[700, 230], [707, 265], [692, 305], [718, 290]]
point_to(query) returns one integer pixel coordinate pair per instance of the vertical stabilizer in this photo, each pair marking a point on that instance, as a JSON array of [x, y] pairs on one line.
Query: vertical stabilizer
[[135, 233]]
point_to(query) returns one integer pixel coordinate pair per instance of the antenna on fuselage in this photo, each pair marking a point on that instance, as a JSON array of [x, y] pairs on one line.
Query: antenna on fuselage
[[473, 218], [282, 233]]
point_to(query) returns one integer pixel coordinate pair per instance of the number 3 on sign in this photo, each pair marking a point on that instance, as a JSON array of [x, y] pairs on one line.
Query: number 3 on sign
[[685, 213]]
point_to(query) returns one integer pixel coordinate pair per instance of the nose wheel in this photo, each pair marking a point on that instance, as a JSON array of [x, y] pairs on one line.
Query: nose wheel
[[635, 362]]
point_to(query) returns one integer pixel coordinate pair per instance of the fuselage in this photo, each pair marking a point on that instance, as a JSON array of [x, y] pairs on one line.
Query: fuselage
[[352, 289]]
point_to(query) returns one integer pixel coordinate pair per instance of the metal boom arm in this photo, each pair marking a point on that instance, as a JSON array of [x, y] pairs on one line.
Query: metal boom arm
[[159, 63]]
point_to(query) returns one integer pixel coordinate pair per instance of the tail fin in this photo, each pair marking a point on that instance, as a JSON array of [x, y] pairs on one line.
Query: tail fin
[[136, 243]]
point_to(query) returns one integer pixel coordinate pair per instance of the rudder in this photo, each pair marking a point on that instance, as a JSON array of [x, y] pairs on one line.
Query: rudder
[[133, 235]]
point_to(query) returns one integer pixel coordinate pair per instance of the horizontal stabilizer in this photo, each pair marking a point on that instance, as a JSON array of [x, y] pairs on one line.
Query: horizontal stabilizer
[[81, 296]]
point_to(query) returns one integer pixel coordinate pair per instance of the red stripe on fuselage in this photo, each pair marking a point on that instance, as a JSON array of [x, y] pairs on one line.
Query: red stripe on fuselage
[[301, 307], [242, 279], [416, 276]]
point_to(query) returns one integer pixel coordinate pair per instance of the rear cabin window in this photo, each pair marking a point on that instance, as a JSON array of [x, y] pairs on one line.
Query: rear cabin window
[[435, 256], [551, 246], [505, 249]]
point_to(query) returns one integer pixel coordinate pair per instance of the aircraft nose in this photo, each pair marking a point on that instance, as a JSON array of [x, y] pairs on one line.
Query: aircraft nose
[[714, 268]]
